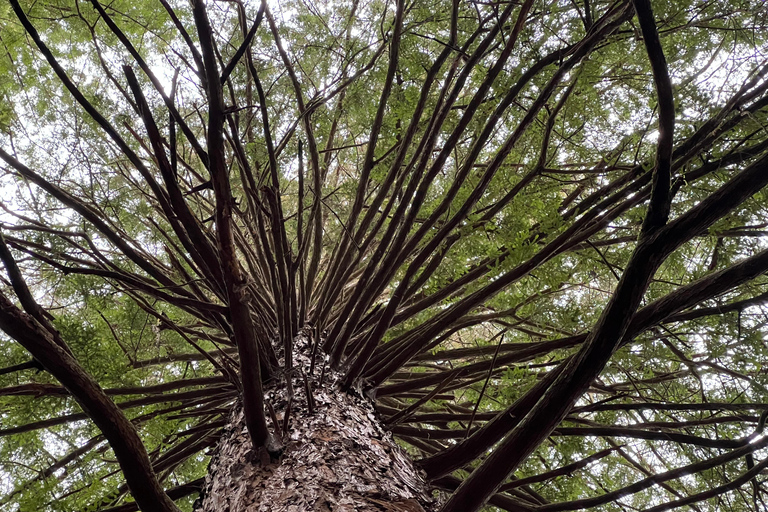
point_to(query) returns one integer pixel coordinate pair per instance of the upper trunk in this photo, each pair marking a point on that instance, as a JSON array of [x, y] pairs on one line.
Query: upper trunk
[[337, 457]]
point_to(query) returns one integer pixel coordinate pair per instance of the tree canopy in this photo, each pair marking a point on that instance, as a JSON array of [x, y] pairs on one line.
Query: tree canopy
[[532, 232]]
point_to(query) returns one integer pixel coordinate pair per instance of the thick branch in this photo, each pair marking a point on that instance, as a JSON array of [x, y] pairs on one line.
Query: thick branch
[[118, 430], [658, 209]]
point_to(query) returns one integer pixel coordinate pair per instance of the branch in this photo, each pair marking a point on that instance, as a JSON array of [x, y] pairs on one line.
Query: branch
[[175, 493], [25, 296], [187, 227], [245, 334], [658, 209], [178, 118], [676, 473], [244, 46], [608, 333], [115, 426]]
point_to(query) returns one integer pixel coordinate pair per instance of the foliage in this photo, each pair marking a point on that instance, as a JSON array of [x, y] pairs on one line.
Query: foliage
[[463, 206]]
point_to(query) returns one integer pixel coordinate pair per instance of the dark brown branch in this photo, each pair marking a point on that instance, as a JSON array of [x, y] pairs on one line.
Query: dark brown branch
[[658, 209], [244, 45], [640, 485], [389, 265], [175, 493], [716, 491], [186, 226], [178, 118], [568, 469], [245, 333], [29, 365], [118, 430], [187, 399], [605, 338]]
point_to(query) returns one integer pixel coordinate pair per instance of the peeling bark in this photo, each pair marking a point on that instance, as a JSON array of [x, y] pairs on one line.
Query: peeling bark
[[338, 457]]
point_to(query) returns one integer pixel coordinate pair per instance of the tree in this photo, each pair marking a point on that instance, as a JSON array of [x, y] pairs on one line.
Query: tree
[[530, 234]]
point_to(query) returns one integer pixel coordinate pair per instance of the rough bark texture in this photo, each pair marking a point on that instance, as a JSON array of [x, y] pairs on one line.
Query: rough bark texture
[[337, 457]]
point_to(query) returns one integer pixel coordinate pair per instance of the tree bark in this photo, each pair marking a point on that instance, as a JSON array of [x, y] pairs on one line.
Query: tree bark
[[337, 458]]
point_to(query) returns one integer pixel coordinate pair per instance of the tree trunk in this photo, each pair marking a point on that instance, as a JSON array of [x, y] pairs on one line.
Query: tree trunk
[[337, 456]]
